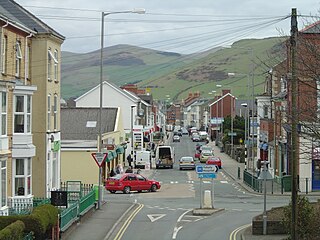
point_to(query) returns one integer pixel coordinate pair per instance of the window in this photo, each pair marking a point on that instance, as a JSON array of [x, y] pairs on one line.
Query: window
[[55, 170], [22, 114], [3, 113], [283, 84], [22, 176], [55, 59], [3, 189], [55, 111], [18, 58], [49, 112], [265, 111], [4, 54], [49, 64]]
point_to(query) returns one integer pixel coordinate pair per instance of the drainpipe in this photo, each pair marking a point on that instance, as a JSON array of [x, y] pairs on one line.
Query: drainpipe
[[26, 59]]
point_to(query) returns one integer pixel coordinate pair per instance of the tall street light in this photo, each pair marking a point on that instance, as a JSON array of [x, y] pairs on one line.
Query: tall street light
[[103, 14], [245, 105]]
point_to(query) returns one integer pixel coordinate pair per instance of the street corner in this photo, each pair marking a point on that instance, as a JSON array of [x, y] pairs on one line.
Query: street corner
[[206, 211]]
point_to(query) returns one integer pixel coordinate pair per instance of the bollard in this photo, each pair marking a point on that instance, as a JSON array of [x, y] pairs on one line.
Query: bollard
[[207, 203], [239, 173]]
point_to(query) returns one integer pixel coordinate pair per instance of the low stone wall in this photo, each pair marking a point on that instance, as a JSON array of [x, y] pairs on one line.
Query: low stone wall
[[273, 227]]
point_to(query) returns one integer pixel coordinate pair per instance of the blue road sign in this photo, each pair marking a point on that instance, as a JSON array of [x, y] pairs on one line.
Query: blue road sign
[[207, 175]]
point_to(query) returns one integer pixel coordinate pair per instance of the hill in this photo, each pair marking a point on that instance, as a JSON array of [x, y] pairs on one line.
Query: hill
[[168, 73]]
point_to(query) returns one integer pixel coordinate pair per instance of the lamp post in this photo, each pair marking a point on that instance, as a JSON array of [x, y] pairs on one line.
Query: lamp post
[[131, 110], [221, 126], [245, 105], [103, 14]]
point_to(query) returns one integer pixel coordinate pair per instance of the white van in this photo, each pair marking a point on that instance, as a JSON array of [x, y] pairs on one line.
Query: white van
[[143, 158], [164, 156]]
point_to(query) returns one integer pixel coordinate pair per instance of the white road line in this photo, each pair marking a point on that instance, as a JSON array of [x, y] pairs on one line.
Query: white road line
[[224, 181], [175, 232], [185, 220], [181, 216]]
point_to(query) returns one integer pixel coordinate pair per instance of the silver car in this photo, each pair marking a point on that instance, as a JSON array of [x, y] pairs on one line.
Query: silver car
[[187, 163]]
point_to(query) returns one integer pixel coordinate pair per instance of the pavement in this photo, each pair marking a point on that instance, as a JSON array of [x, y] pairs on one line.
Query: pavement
[[102, 223]]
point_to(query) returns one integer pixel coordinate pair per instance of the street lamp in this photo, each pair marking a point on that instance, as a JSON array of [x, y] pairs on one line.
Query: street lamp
[[221, 124], [103, 14], [132, 107], [245, 105]]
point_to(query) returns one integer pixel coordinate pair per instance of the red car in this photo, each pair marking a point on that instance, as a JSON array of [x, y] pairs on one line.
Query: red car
[[128, 182], [214, 161]]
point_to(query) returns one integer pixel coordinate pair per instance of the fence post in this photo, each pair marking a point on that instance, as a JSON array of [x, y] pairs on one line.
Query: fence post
[[239, 173], [272, 187], [281, 185]]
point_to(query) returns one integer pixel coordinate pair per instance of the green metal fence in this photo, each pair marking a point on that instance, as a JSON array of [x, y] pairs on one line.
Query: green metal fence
[[87, 202], [252, 181]]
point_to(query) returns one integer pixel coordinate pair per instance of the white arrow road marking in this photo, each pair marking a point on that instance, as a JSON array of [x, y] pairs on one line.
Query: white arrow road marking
[[175, 232], [155, 217], [224, 181]]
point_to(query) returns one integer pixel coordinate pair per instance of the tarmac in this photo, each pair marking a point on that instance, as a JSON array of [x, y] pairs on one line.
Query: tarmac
[[102, 223]]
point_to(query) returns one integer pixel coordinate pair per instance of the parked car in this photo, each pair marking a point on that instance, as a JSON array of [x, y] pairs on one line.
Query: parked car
[[206, 148], [196, 138], [205, 155], [214, 161], [187, 163], [128, 182], [176, 138]]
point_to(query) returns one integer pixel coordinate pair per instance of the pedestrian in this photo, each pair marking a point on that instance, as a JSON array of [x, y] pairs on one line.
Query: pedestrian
[[119, 169], [112, 173], [129, 170], [129, 158]]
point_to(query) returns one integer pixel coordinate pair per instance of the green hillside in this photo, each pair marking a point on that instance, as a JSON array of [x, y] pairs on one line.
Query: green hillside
[[167, 73]]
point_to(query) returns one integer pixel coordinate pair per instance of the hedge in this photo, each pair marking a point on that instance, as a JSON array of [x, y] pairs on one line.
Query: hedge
[[40, 221], [14, 231]]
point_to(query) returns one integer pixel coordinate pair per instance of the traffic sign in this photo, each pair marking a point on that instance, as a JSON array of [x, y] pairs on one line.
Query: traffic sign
[[99, 157], [232, 134], [207, 175], [207, 168]]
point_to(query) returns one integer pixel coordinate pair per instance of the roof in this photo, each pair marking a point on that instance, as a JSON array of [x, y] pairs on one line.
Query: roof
[[220, 98], [83, 123], [11, 10], [312, 28]]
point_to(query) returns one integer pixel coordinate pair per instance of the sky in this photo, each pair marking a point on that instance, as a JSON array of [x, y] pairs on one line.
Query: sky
[[182, 26]]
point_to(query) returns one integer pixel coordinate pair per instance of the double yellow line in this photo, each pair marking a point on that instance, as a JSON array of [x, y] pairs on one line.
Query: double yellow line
[[127, 222], [233, 235]]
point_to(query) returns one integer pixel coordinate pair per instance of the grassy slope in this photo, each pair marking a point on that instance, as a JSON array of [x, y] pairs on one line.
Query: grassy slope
[[167, 73], [236, 59]]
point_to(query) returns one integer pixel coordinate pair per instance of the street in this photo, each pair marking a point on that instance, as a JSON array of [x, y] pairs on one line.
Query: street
[[167, 213]]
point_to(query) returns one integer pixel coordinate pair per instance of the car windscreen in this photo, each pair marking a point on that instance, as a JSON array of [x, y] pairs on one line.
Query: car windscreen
[[186, 159]]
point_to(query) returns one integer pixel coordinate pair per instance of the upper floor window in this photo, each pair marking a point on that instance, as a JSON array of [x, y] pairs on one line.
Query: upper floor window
[[4, 55], [52, 57], [18, 58], [49, 112], [283, 84], [55, 112], [55, 59], [265, 111], [22, 114], [3, 113]]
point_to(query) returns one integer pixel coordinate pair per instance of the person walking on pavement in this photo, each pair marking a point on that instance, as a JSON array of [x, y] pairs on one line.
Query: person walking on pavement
[[129, 158]]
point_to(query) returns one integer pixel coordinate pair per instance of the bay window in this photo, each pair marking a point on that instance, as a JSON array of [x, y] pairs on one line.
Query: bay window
[[22, 176], [22, 114]]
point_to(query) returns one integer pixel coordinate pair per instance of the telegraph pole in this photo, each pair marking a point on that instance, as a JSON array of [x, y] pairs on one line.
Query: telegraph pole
[[294, 119]]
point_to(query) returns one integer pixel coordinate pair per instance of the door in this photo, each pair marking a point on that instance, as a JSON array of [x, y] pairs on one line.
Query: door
[[142, 183], [133, 183], [315, 174]]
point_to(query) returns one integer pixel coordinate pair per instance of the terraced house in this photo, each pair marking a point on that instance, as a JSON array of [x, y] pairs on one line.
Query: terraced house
[[30, 106]]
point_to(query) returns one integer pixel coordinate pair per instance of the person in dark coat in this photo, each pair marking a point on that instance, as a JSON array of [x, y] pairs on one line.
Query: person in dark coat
[[112, 173], [129, 170], [129, 158]]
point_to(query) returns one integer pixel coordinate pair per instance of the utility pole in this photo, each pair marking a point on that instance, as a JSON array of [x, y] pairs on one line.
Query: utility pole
[[294, 119]]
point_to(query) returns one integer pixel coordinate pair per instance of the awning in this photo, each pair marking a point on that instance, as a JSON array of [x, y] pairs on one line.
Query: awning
[[111, 155], [120, 149]]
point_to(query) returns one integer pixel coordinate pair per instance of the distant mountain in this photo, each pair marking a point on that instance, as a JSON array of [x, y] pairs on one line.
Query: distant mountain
[[169, 73]]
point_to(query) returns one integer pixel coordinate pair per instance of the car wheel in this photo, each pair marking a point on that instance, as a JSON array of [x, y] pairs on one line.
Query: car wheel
[[126, 190], [139, 191], [180, 168], [153, 188], [112, 191]]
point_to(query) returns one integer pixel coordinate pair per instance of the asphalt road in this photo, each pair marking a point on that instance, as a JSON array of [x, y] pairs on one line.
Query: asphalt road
[[167, 213]]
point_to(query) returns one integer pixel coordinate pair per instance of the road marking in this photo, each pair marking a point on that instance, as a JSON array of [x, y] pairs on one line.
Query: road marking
[[155, 217], [181, 216], [127, 222], [175, 232], [224, 181], [233, 235]]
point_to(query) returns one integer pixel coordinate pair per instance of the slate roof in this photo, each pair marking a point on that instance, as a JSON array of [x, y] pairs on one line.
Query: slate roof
[[11, 10], [74, 122], [312, 28]]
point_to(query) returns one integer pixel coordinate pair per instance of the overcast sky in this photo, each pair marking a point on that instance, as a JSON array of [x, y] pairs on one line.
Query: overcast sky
[[183, 26]]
